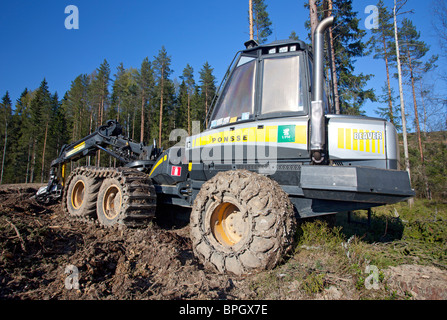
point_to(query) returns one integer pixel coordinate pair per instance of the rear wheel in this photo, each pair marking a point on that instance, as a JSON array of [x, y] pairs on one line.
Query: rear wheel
[[241, 222]]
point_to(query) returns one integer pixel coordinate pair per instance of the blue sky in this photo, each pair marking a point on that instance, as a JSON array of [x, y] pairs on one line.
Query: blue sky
[[36, 44]]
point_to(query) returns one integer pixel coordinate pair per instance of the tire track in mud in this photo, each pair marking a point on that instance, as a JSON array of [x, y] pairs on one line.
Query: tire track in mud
[[112, 263]]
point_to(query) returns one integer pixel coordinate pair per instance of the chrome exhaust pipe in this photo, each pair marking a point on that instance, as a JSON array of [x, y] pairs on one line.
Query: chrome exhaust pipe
[[317, 122]]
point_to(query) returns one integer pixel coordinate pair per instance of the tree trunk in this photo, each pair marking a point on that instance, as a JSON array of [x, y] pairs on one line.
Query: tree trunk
[[332, 62], [250, 12], [33, 163], [28, 162], [189, 115], [416, 114], [149, 117], [390, 97], [402, 102], [4, 150], [142, 118], [161, 108], [313, 18], [43, 154], [133, 125], [206, 107], [418, 129]]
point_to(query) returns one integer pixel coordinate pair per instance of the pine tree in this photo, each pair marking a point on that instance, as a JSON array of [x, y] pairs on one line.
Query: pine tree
[[413, 51], [347, 46], [382, 44], [349, 89], [162, 71], [396, 8], [146, 84], [100, 93], [261, 21], [117, 93]]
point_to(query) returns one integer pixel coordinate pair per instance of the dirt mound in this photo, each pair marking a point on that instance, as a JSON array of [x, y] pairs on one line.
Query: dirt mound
[[40, 249], [418, 282]]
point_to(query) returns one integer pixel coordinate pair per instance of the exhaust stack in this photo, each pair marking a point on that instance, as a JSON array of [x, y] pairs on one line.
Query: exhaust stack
[[317, 124]]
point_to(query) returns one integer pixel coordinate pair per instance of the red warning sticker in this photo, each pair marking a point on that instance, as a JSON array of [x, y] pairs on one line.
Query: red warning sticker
[[176, 171]]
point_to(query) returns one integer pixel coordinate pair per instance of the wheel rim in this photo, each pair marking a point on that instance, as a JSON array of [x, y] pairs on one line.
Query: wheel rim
[[77, 195], [228, 224], [112, 202]]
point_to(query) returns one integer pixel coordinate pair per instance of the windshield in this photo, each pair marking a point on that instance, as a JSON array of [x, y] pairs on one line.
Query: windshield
[[237, 100], [281, 85]]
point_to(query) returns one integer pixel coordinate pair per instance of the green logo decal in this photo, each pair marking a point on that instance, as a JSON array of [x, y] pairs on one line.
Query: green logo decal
[[286, 133]]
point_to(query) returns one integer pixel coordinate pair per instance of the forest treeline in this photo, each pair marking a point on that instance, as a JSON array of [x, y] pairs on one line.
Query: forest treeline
[[149, 103], [146, 102]]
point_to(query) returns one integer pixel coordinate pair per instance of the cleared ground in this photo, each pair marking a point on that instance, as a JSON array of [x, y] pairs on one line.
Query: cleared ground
[[39, 247]]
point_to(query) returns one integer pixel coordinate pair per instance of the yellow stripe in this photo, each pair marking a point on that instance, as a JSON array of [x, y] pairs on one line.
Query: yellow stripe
[[362, 143], [157, 164], [301, 134], [368, 144], [250, 134], [341, 138], [355, 143], [271, 134], [373, 143], [63, 174], [348, 139]]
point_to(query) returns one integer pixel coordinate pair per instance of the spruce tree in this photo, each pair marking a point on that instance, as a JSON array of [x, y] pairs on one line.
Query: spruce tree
[[208, 90], [6, 115], [189, 86]]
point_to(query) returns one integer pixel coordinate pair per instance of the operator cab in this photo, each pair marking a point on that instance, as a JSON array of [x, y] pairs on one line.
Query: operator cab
[[267, 81]]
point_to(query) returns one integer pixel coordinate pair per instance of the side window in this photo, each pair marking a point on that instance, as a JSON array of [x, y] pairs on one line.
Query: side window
[[281, 85], [238, 97]]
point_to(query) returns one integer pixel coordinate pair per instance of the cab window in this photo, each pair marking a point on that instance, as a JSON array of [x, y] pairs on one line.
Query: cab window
[[281, 86], [238, 96]]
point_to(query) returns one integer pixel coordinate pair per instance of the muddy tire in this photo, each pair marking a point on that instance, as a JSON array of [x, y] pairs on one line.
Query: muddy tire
[[80, 196], [241, 222], [126, 197], [109, 207]]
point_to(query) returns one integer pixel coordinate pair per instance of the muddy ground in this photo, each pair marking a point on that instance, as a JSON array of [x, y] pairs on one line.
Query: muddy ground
[[40, 248]]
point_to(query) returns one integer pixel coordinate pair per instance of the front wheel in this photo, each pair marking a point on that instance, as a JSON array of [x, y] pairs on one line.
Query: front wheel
[[80, 195], [241, 222]]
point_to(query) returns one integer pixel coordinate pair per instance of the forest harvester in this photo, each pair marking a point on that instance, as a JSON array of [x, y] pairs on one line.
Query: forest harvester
[[271, 154]]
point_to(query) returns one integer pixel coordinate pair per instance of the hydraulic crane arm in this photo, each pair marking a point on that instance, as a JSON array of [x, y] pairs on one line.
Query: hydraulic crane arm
[[107, 138]]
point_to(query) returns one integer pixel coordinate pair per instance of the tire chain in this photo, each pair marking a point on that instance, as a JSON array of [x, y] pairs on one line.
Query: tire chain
[[139, 195]]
